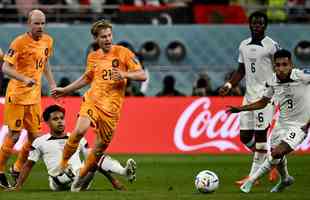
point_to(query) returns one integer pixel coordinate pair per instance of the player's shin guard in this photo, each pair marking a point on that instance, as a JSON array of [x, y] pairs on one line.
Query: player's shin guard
[[5, 152], [69, 149], [106, 163], [259, 156], [22, 157]]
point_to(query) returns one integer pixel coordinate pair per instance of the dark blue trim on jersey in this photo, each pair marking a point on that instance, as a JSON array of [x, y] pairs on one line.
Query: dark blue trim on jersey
[[58, 138], [258, 43]]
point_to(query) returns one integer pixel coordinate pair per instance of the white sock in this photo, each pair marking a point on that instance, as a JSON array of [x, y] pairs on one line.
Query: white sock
[[265, 167], [111, 165], [258, 160], [282, 168]]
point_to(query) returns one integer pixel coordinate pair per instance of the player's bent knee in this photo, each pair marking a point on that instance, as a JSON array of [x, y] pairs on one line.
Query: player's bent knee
[[273, 160], [277, 154]]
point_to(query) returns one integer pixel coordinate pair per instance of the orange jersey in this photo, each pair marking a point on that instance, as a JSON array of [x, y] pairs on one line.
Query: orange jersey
[[29, 57], [107, 94]]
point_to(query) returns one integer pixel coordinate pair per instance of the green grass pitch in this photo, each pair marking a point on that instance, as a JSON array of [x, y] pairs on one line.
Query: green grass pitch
[[172, 177]]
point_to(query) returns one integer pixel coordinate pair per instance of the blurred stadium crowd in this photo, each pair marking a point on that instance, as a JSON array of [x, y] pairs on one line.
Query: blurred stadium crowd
[[172, 77], [189, 11]]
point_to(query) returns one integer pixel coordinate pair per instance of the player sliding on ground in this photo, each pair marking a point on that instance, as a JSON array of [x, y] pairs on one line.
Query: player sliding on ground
[[49, 147]]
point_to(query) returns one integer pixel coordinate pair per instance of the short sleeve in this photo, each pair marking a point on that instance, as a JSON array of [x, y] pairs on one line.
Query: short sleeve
[[268, 91], [132, 61], [275, 47], [240, 56], [51, 48], [11, 55], [90, 68], [35, 152]]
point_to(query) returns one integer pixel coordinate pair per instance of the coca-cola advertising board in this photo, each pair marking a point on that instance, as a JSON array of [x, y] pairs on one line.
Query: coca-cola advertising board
[[166, 125]]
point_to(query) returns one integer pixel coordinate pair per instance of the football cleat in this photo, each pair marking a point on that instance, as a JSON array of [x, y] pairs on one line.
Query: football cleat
[[14, 174], [131, 167], [246, 187], [4, 184], [281, 185], [243, 180]]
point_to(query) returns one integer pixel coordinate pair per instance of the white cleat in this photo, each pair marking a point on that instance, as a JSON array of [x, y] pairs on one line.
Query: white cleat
[[281, 185], [131, 167], [246, 187]]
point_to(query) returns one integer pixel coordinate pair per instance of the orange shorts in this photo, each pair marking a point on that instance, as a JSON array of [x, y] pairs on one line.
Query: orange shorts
[[104, 124], [17, 117]]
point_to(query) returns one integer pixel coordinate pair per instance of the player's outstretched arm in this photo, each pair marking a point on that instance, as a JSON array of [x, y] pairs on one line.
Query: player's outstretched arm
[[77, 84], [9, 70], [234, 80], [253, 106], [24, 174], [138, 75]]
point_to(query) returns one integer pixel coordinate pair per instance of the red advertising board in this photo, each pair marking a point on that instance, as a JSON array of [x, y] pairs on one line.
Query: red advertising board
[[167, 125]]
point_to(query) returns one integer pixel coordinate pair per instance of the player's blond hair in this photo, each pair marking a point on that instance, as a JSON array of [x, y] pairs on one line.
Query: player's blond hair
[[98, 25]]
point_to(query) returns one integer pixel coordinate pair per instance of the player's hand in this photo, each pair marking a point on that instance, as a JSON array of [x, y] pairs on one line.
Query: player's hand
[[224, 90], [29, 82], [233, 109], [58, 92], [117, 74]]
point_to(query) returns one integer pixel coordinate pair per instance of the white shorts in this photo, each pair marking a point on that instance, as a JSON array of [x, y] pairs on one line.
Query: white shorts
[[290, 134], [257, 119]]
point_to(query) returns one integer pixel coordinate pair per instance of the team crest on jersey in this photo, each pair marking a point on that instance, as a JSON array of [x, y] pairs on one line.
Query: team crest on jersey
[[46, 51], [11, 52], [90, 112], [115, 63]]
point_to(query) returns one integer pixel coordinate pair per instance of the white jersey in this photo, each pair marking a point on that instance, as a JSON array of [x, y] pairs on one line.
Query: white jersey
[[291, 97], [257, 59], [50, 149]]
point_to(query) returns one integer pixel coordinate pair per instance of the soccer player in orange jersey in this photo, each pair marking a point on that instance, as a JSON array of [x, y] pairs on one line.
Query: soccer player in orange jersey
[[24, 63], [108, 70]]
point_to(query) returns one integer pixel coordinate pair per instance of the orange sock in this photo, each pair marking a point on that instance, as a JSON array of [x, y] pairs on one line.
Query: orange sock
[[22, 156], [5, 152], [70, 147], [90, 163]]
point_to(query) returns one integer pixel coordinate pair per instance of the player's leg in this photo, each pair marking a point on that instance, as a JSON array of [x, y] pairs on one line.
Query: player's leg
[[32, 123], [82, 125], [293, 137], [114, 181], [13, 118], [105, 127], [106, 163], [260, 149]]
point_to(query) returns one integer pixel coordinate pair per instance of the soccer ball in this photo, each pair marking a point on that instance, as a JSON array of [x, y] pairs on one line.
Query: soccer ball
[[206, 181]]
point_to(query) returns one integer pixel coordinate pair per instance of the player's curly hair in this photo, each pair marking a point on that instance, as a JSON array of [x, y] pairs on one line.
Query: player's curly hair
[[98, 25], [259, 14], [53, 108]]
